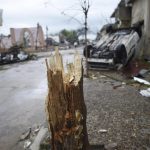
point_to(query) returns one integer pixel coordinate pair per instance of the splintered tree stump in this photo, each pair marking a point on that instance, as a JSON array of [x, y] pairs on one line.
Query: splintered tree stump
[[65, 106]]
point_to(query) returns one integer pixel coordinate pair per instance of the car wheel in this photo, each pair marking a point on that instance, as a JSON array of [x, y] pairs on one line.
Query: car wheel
[[86, 51]]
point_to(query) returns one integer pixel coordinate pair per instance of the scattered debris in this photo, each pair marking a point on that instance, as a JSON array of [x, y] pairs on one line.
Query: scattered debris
[[22, 56], [123, 83], [141, 81], [102, 76], [145, 93], [25, 135], [147, 58], [113, 77], [136, 85], [142, 73], [33, 57], [14, 54], [117, 85], [40, 136], [93, 77], [36, 129], [29, 136], [27, 144], [111, 146], [136, 68], [102, 131], [119, 66], [45, 144]]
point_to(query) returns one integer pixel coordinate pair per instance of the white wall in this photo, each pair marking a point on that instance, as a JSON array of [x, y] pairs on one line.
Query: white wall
[[6, 42], [138, 11]]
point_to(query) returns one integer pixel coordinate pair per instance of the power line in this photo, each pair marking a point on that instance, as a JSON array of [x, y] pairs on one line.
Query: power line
[[72, 18], [63, 12]]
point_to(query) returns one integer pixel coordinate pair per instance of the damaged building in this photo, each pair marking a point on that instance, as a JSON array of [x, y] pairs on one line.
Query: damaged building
[[135, 13], [5, 43], [31, 38], [122, 15], [127, 38]]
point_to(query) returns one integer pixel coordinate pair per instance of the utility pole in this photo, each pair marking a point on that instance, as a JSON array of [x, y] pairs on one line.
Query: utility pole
[[1, 23], [147, 27], [85, 7], [46, 38], [37, 32]]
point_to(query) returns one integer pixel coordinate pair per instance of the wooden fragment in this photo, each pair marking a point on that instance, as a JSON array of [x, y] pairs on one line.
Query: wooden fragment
[[65, 106]]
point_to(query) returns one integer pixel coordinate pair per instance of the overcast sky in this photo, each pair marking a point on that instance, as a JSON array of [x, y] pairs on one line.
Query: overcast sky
[[26, 13]]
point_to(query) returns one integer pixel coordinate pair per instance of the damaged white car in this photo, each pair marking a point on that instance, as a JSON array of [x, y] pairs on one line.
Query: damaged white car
[[113, 49]]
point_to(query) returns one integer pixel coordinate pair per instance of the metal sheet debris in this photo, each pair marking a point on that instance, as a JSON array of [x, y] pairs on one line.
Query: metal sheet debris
[[25, 135], [145, 93], [141, 81], [27, 144], [102, 131], [142, 73], [41, 134]]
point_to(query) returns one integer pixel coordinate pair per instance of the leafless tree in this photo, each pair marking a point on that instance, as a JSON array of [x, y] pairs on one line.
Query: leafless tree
[[85, 4]]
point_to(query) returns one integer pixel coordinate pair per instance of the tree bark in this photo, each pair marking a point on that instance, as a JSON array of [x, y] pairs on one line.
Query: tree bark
[[65, 106]]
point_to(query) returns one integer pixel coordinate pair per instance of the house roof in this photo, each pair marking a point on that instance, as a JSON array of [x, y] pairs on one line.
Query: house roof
[[121, 4], [113, 14]]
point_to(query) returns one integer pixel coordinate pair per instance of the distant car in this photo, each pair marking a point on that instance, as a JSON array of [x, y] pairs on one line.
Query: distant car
[[113, 48]]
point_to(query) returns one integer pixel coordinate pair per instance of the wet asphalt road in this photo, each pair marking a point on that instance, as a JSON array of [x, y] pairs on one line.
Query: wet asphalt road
[[22, 95], [123, 112], [23, 88]]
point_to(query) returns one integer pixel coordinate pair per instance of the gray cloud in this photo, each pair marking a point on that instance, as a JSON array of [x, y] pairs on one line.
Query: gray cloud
[[27, 13]]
